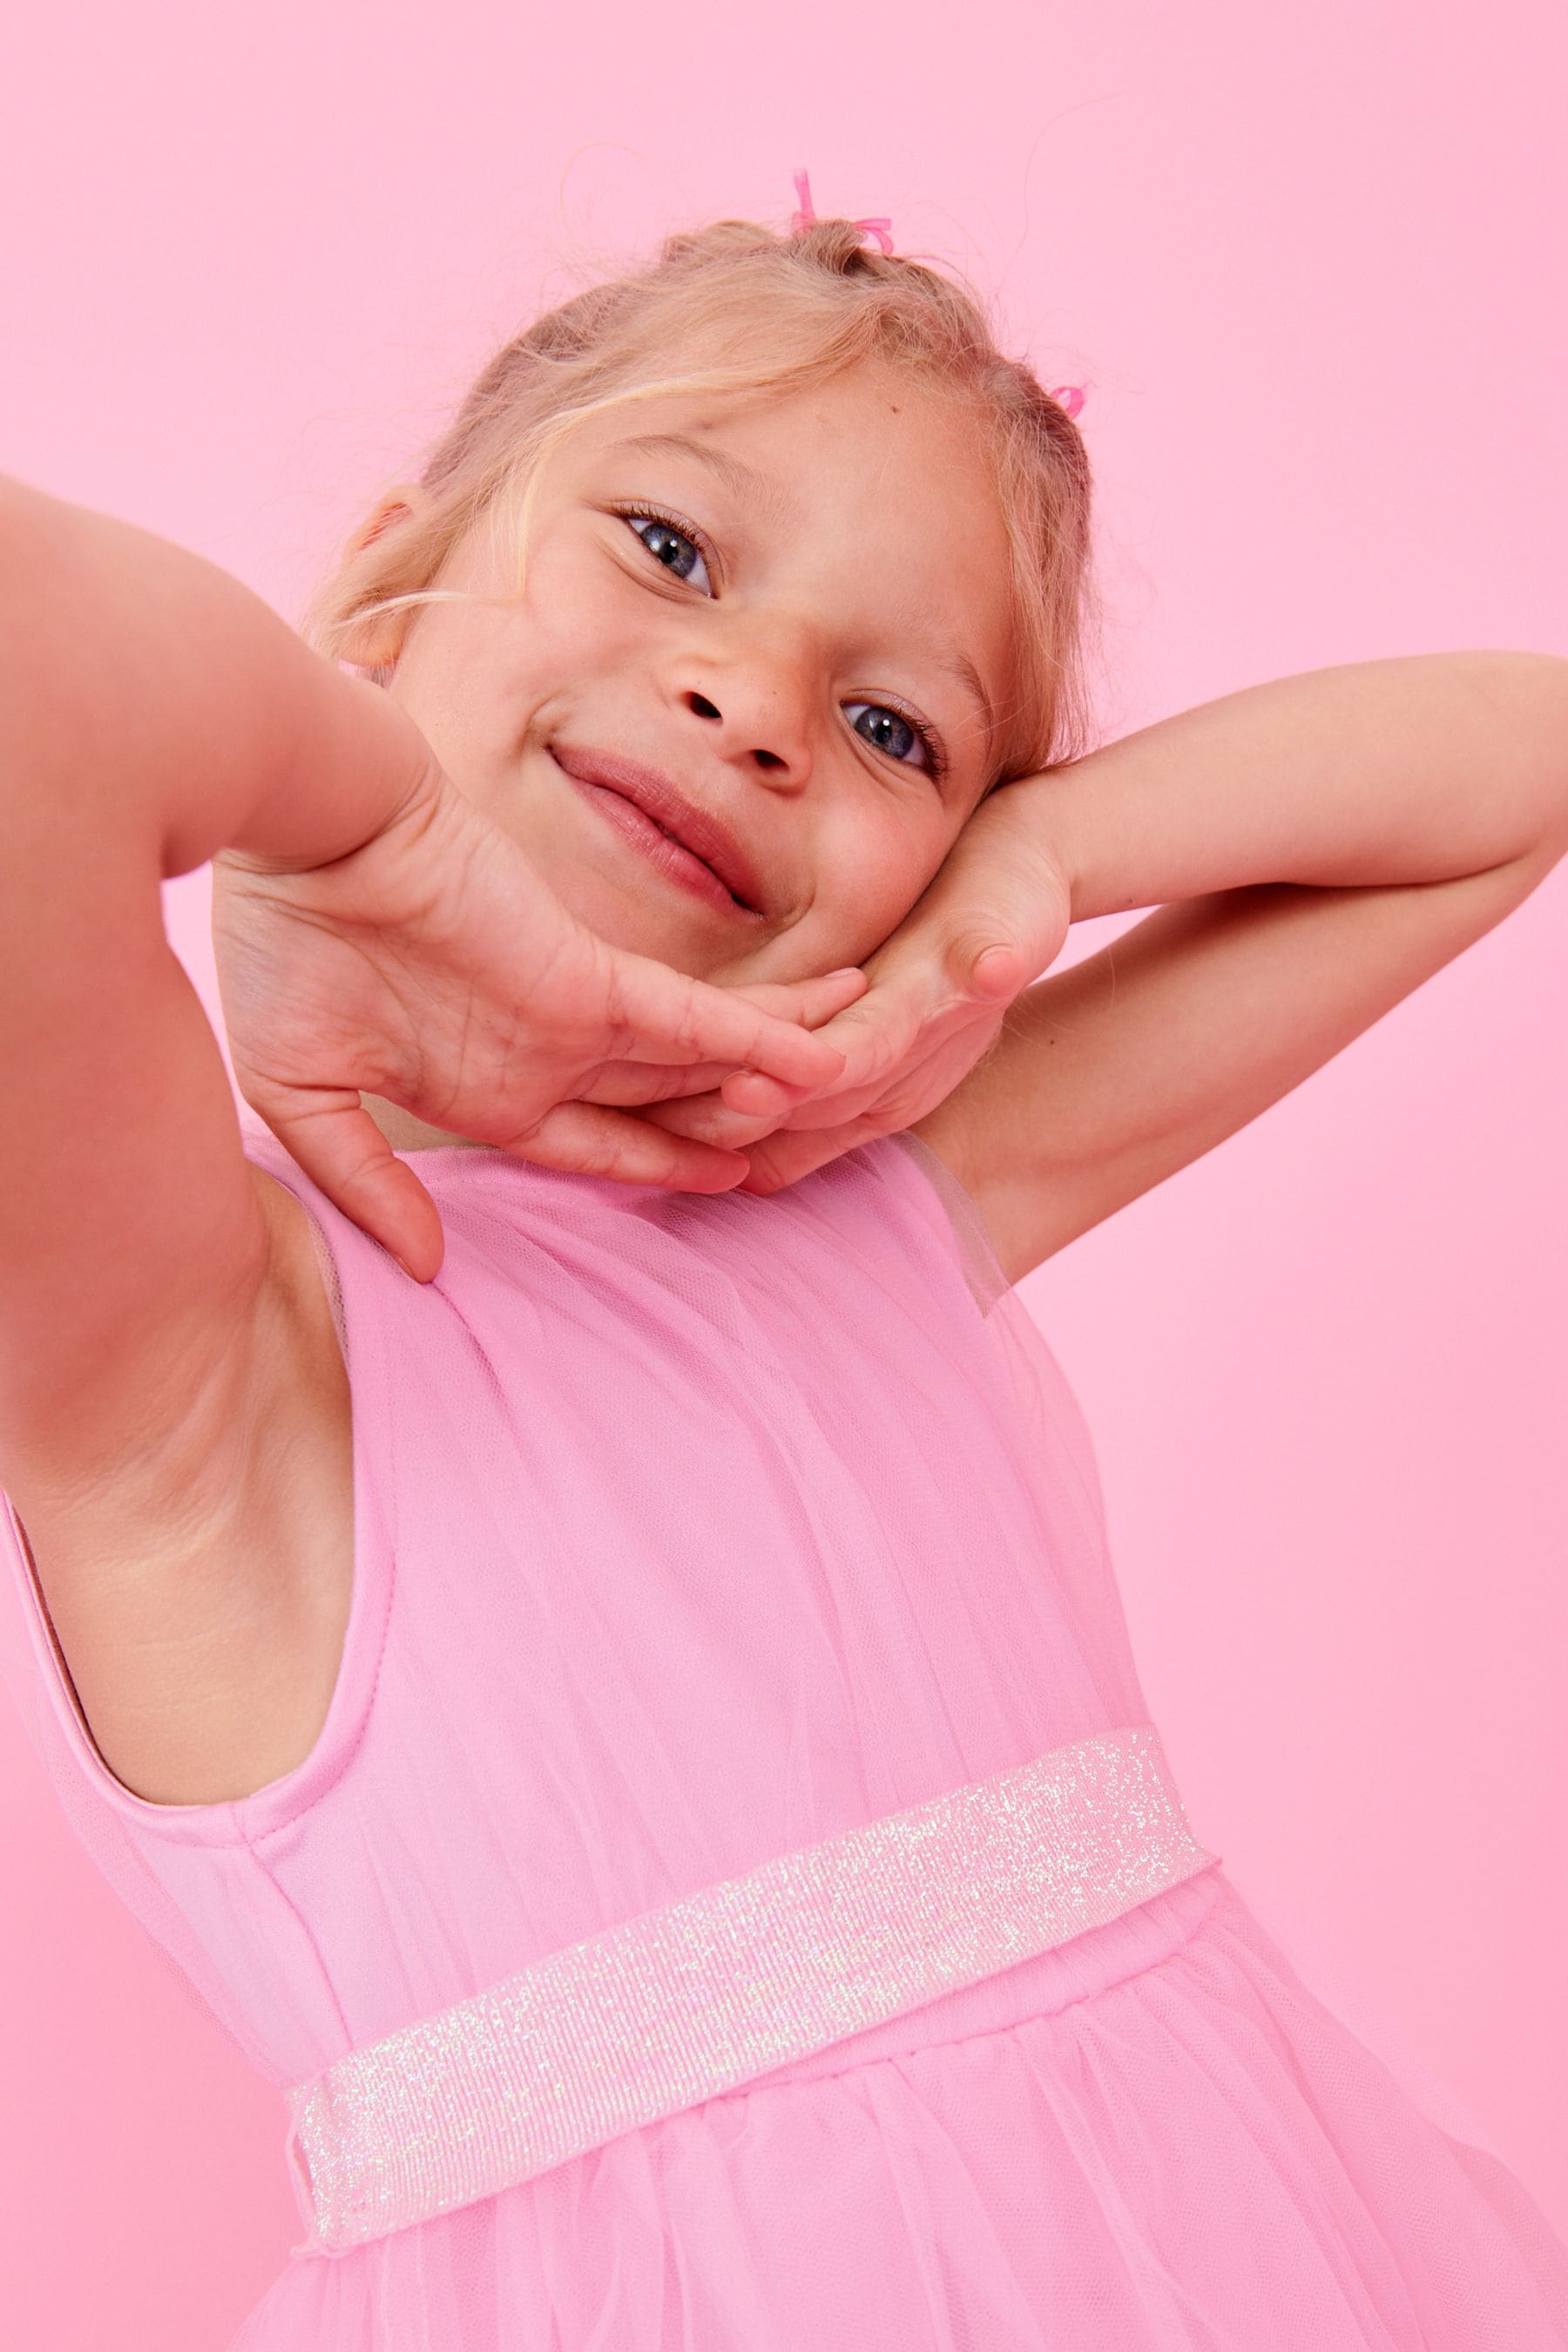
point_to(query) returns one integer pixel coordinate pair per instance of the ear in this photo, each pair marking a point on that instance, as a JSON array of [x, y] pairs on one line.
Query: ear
[[404, 499], [376, 641]]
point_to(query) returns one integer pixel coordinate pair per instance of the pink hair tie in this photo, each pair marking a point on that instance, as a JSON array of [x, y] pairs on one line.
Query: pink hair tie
[[1071, 395], [882, 230]]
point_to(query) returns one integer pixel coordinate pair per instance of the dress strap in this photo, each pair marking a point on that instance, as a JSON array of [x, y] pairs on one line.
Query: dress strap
[[688, 2002]]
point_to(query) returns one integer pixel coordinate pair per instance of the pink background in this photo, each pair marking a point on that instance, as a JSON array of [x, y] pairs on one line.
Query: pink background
[[1311, 268]]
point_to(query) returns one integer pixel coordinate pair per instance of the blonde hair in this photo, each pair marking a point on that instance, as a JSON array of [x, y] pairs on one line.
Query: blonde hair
[[735, 308]]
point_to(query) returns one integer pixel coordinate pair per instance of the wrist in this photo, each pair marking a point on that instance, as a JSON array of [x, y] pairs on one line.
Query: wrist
[[353, 764], [1036, 842], [140, 675]]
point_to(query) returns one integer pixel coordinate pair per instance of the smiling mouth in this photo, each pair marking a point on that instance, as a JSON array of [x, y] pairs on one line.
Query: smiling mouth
[[660, 844]]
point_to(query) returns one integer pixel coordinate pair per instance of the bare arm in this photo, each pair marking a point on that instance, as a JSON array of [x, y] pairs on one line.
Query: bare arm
[[151, 710], [173, 1411], [1316, 847]]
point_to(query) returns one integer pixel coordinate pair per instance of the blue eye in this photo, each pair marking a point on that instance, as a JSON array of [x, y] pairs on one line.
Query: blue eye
[[890, 732], [676, 549]]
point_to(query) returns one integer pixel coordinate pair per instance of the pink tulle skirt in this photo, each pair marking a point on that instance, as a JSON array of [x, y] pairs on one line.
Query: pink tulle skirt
[[1154, 2138]]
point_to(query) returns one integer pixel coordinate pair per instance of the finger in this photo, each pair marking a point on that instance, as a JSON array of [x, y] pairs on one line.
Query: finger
[[998, 942], [905, 1086], [995, 971], [982, 968], [785, 1158], [756, 1095], [834, 1109], [901, 1085], [632, 1084], [710, 1120], [831, 993], [666, 1016], [589, 1139], [873, 1036], [333, 1139], [809, 1001], [750, 1094]]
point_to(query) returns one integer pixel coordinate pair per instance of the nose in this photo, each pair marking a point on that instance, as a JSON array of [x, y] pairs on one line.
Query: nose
[[756, 712]]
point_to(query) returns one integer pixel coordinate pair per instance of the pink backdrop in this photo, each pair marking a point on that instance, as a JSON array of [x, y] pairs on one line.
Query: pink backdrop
[[1311, 267]]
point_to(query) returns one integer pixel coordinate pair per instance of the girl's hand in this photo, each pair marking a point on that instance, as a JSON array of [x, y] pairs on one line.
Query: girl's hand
[[992, 921], [432, 966]]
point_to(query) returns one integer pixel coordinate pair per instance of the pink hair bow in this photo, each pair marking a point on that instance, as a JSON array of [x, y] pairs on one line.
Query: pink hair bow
[[1071, 395], [882, 230]]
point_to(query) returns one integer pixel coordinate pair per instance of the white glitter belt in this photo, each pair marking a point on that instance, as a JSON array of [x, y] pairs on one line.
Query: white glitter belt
[[692, 1999]]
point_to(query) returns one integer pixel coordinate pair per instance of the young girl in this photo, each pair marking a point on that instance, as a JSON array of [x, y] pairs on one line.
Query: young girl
[[550, 1568]]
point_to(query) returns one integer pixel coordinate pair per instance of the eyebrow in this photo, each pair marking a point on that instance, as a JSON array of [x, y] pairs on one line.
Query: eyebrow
[[742, 480], [955, 663], [958, 666], [745, 481]]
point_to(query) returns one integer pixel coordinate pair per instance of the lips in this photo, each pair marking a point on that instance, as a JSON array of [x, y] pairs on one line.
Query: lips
[[701, 834]]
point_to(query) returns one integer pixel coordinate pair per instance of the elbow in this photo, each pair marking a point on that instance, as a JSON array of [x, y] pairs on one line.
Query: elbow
[[1525, 698], [1548, 689]]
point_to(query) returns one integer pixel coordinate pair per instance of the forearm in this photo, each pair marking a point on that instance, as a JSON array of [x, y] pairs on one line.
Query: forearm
[[150, 704], [1415, 770]]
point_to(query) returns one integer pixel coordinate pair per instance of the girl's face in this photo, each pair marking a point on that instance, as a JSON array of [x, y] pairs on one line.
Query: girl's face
[[775, 631]]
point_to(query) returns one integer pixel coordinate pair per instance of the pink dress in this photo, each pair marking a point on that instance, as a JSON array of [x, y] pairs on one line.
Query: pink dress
[[689, 1532]]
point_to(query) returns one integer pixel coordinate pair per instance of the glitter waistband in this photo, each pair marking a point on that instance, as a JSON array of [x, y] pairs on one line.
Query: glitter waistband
[[684, 2002]]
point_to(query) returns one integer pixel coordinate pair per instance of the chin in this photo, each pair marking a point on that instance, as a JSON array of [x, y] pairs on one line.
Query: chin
[[639, 927]]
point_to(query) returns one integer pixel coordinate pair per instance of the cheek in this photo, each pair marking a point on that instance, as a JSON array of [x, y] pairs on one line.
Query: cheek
[[872, 870], [869, 867], [481, 671], [457, 680]]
